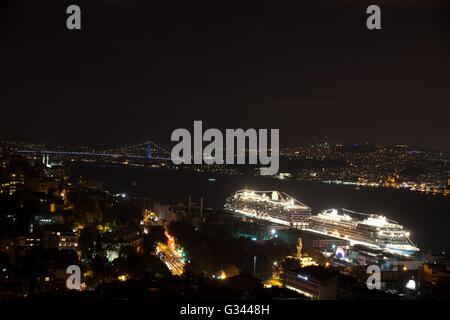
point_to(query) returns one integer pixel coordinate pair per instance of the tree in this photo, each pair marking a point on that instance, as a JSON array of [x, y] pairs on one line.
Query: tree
[[101, 269], [155, 234], [290, 264], [87, 207], [88, 237], [139, 266]]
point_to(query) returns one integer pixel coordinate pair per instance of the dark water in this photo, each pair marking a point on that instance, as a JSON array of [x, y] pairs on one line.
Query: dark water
[[426, 216]]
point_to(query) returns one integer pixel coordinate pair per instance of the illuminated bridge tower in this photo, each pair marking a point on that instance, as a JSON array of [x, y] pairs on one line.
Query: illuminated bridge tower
[[148, 151]]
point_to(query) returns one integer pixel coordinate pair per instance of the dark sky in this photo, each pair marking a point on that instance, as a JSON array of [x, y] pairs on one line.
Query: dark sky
[[139, 69]]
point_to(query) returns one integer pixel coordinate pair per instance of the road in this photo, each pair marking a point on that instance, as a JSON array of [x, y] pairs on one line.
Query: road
[[171, 258], [168, 253]]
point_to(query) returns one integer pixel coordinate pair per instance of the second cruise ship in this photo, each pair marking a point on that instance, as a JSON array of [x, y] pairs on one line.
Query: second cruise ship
[[370, 230]]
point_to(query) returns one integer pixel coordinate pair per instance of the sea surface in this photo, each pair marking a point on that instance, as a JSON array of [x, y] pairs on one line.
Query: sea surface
[[426, 216]]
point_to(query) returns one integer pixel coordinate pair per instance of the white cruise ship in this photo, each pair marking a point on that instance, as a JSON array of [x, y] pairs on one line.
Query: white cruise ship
[[273, 206], [370, 230]]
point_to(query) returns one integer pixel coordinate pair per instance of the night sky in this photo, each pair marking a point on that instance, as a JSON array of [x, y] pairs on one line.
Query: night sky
[[139, 69]]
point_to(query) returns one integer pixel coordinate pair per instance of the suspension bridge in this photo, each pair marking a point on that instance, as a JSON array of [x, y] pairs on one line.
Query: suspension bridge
[[146, 150]]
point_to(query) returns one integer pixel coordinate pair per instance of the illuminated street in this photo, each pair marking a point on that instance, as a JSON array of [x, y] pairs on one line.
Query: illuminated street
[[170, 256]]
